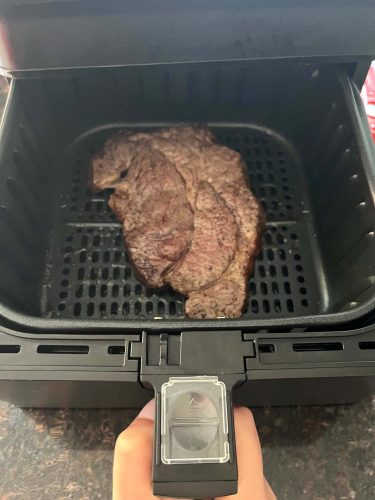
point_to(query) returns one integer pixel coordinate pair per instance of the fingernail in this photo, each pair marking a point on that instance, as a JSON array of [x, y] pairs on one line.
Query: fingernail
[[148, 411]]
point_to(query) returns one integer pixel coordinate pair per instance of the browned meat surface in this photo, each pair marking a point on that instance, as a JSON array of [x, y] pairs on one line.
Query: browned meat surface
[[182, 145], [227, 296], [112, 162], [224, 170], [157, 217], [189, 217], [213, 245]]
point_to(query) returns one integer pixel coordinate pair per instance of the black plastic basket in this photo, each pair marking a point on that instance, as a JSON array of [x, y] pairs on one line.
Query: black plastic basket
[[309, 159]]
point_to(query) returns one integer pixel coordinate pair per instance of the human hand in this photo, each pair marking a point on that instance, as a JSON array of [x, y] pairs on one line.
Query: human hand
[[133, 459]]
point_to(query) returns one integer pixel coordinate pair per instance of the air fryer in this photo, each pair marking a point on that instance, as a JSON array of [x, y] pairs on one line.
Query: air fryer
[[77, 327]]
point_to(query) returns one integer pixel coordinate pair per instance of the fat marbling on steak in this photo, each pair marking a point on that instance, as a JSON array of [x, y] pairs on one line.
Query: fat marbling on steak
[[189, 218]]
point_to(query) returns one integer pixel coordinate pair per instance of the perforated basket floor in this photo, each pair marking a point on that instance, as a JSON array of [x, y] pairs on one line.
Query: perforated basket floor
[[88, 274]]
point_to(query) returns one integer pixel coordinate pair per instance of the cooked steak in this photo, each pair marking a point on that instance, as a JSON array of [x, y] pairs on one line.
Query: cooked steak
[[189, 218]]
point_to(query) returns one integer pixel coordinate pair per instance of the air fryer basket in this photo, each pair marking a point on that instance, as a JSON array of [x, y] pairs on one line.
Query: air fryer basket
[[299, 128]]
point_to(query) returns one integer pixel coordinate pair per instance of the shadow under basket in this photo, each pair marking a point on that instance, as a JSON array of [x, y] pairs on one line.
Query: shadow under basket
[[302, 132]]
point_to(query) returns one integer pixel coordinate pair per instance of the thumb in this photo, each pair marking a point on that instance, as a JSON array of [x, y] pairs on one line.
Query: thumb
[[132, 466], [133, 461]]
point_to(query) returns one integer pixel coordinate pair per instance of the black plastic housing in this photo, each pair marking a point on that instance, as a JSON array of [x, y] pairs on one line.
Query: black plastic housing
[[62, 34], [83, 371]]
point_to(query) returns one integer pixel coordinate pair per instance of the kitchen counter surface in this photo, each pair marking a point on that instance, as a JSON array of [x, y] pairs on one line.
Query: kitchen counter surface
[[310, 453]]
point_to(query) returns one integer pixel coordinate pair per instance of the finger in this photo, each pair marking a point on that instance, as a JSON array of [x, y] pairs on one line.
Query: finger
[[148, 411], [132, 464], [251, 482], [133, 461]]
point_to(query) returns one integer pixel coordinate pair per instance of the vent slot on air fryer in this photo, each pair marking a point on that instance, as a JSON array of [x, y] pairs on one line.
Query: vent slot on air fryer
[[367, 345], [318, 346], [62, 349], [10, 349]]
